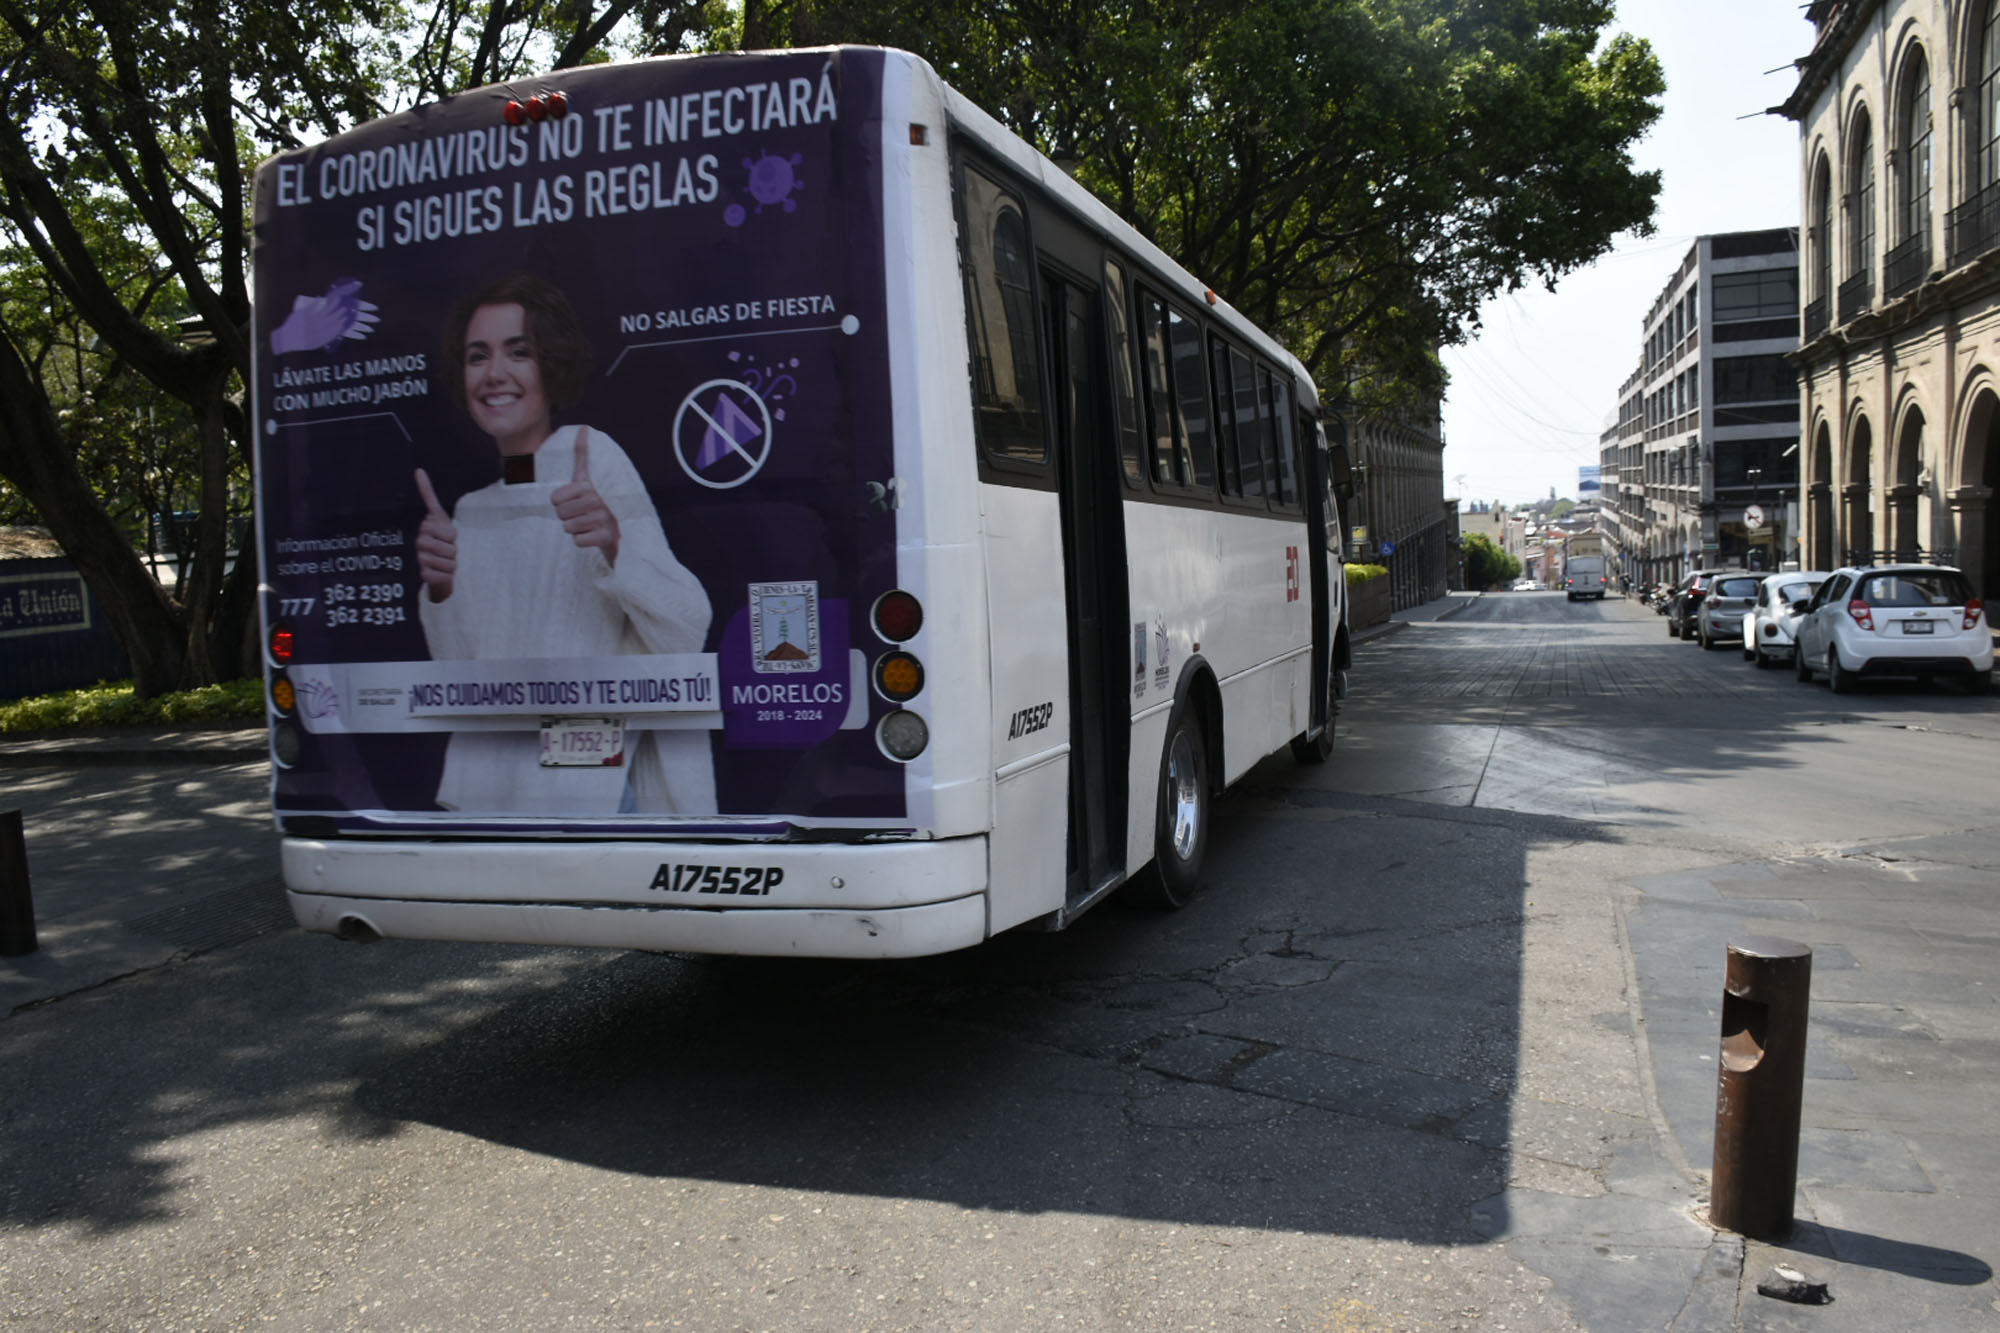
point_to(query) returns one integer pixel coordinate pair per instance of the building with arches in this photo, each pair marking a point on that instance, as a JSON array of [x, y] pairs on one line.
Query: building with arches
[[1898, 108]]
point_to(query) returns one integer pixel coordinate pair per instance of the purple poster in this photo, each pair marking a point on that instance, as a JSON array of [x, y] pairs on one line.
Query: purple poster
[[566, 433]]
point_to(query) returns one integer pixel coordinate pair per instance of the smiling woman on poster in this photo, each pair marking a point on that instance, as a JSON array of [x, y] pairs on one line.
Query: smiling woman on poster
[[562, 556]]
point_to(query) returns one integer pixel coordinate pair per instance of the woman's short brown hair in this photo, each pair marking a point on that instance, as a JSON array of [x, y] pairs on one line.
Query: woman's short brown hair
[[554, 334]]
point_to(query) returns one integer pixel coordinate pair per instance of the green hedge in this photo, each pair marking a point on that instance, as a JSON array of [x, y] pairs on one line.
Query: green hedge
[[1363, 573], [113, 705]]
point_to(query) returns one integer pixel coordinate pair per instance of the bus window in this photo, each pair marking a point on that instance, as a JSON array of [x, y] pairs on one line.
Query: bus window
[[1124, 391], [1000, 307], [1286, 490], [1197, 448], [1268, 416], [1243, 385], [1159, 389], [1228, 432]]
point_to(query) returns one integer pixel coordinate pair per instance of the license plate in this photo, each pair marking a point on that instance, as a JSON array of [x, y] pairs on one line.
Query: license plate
[[582, 742], [1918, 626]]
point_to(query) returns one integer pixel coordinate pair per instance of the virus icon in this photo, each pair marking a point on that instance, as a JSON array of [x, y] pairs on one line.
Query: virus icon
[[774, 180]]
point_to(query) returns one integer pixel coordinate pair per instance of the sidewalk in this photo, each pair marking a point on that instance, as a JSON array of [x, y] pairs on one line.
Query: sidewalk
[[143, 843], [1437, 609]]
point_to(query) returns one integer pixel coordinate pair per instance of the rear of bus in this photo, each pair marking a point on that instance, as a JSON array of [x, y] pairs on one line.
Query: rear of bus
[[608, 597]]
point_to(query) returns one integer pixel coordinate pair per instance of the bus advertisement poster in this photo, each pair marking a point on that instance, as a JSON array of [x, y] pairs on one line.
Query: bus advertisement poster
[[583, 404]]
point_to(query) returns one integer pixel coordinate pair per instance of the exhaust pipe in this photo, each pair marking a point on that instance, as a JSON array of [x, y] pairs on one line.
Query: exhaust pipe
[[357, 931]]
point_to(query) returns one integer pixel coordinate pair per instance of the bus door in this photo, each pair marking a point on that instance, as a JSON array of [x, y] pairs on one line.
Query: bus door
[[1093, 531], [1322, 531]]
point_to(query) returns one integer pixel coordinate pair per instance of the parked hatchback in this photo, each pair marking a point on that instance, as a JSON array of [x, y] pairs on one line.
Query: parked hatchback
[[1684, 603], [1895, 620], [1719, 618], [1771, 627]]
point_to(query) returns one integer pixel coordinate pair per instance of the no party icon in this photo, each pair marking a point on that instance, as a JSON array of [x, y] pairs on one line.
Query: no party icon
[[722, 434]]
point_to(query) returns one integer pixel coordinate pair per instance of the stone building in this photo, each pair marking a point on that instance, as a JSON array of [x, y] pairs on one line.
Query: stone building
[[1898, 108], [1400, 516]]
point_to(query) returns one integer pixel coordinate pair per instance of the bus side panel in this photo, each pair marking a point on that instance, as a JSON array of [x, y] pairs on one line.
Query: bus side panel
[[935, 488], [1176, 587], [1030, 716], [1265, 622]]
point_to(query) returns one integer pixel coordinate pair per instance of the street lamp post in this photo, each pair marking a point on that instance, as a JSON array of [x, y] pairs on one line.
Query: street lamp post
[[1756, 475]]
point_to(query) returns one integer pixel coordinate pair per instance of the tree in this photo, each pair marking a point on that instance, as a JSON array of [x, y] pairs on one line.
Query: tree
[[1357, 175], [1485, 563], [125, 159]]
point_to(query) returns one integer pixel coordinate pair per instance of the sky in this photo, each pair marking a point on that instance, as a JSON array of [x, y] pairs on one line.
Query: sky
[[1533, 390]]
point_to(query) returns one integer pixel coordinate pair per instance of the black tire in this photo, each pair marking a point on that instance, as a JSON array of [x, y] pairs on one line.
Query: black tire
[[1182, 812], [1673, 630], [1837, 676], [1799, 666], [1979, 682], [1762, 660], [1701, 636]]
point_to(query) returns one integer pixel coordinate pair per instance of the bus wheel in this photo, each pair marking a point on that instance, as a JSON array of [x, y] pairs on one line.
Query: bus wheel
[[1180, 829]]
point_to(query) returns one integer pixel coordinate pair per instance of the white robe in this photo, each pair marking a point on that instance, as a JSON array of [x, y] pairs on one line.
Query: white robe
[[524, 588]]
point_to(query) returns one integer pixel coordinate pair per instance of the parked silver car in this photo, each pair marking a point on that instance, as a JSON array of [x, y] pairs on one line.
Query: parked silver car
[[1718, 617], [1771, 627]]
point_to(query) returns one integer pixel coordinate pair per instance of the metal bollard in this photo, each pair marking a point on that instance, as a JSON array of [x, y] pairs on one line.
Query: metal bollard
[[1765, 995], [17, 906]]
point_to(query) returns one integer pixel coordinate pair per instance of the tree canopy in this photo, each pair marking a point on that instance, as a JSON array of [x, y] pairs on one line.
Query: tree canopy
[[1485, 563], [1356, 175]]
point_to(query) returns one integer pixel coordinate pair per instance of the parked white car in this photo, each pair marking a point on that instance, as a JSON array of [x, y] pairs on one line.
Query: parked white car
[[1895, 620], [1771, 627]]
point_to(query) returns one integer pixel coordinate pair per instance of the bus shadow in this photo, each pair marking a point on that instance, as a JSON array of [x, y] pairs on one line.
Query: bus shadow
[[1324, 1042]]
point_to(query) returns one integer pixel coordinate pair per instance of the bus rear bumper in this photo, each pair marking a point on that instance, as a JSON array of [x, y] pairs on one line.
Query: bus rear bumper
[[872, 901]]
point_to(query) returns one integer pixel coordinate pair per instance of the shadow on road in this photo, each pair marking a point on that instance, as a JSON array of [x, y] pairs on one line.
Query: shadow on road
[[1326, 1040]]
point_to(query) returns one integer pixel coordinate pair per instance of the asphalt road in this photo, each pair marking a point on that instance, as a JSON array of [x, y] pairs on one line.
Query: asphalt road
[[1432, 1050]]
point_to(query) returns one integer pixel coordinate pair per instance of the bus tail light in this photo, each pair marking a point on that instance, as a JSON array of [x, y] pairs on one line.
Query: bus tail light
[[1974, 608], [1862, 615], [898, 676], [897, 616], [902, 735], [285, 744]]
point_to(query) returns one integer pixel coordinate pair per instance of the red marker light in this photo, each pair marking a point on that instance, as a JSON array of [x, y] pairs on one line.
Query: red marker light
[[898, 616], [558, 104], [513, 113], [281, 644], [536, 108]]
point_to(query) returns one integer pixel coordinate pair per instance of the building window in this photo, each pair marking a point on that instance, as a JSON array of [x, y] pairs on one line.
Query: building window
[[1975, 223], [1768, 293], [1986, 166], [1861, 201], [1905, 265], [1753, 379], [1819, 239]]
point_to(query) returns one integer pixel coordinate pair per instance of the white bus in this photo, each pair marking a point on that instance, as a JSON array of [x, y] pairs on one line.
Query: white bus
[[757, 504]]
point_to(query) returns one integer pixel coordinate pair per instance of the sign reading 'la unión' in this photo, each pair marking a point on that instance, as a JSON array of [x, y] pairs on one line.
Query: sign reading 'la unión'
[[41, 603]]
